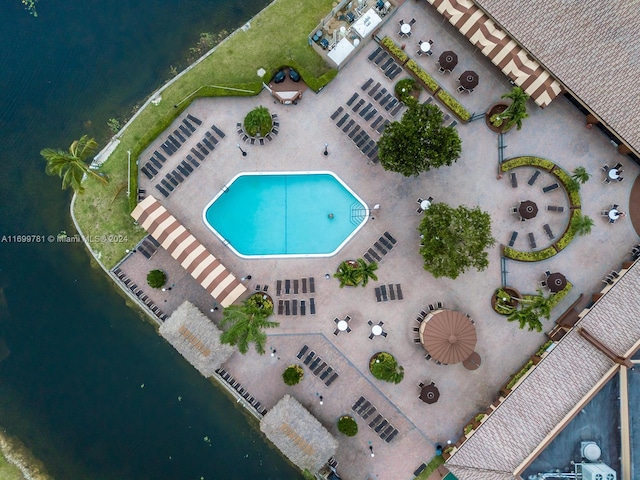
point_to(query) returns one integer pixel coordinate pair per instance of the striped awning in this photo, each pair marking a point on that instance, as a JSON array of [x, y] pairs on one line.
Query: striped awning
[[501, 49], [188, 251]]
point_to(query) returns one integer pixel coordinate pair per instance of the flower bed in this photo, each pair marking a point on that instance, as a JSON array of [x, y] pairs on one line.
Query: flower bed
[[556, 298], [453, 105], [394, 50], [536, 256], [542, 163]]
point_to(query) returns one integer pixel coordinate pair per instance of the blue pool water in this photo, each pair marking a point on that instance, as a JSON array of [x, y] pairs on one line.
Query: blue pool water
[[287, 214]]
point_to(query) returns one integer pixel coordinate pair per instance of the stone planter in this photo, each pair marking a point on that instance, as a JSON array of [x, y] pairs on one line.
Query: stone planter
[[498, 107], [513, 293]]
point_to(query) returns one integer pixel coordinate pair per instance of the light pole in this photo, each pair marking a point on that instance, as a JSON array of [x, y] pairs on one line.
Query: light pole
[[371, 449], [326, 152], [244, 154], [321, 402]]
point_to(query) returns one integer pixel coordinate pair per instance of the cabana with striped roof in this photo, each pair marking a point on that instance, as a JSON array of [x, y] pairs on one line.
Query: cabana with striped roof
[[188, 251], [501, 49]]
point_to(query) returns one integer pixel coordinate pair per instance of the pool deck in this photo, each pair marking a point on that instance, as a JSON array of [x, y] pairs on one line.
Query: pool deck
[[556, 133]]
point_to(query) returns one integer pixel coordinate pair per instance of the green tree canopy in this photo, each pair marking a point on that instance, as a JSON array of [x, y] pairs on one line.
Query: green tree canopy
[[515, 113], [532, 308], [418, 142], [248, 322], [581, 224], [454, 239], [354, 273], [70, 165]]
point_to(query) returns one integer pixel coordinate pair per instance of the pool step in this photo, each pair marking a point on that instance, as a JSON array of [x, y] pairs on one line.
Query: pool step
[[358, 213]]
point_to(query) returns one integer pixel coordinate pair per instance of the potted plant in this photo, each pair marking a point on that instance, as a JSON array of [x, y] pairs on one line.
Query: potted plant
[[355, 272], [258, 122], [292, 375], [384, 366], [505, 300], [503, 116], [407, 90], [348, 426]]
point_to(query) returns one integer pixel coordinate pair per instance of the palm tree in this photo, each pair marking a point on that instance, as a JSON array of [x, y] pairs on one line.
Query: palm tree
[[581, 224], [533, 308], [515, 113], [526, 317], [347, 273], [580, 175], [366, 271], [71, 166], [247, 324]]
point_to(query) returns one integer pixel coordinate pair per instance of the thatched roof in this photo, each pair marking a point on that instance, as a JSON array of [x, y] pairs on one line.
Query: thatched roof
[[298, 434], [196, 338]]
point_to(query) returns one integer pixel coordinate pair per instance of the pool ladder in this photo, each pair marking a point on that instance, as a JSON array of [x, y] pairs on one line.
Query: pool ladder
[[358, 213]]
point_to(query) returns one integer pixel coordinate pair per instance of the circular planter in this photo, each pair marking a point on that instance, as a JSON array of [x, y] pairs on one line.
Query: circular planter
[[348, 426], [293, 374], [513, 293], [496, 108]]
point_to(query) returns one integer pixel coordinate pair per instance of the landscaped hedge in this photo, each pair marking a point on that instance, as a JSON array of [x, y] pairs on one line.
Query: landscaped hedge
[[394, 50], [426, 79], [453, 105], [567, 181], [521, 256], [527, 162], [557, 297], [565, 240], [519, 375], [544, 346]]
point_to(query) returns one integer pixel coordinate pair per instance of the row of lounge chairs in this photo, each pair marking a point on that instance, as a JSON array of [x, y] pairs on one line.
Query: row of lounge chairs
[[241, 391], [185, 168], [384, 244], [382, 96], [310, 281], [140, 294], [381, 293], [174, 141], [320, 369], [361, 139], [379, 424], [385, 62], [290, 307], [148, 246]]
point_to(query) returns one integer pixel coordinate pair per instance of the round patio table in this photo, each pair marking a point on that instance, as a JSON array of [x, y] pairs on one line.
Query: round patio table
[[342, 325], [376, 330], [405, 28], [614, 174], [425, 204], [425, 46], [556, 282], [614, 214]]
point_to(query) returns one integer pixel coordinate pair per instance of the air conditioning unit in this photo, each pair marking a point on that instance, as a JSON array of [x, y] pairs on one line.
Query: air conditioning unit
[[597, 471]]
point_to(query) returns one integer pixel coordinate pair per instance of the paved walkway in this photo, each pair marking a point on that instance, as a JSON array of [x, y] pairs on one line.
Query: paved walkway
[[556, 133]]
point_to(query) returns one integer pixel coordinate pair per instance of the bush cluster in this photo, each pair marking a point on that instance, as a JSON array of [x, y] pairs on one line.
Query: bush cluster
[[394, 49], [348, 426], [426, 79], [156, 278], [536, 256], [542, 163], [292, 375], [520, 374], [453, 105]]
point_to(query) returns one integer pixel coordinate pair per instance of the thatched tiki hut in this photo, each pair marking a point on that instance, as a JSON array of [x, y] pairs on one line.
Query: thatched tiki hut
[[298, 434], [196, 338]]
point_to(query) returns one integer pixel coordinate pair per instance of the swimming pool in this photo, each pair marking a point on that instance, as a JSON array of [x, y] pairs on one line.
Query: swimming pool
[[285, 214]]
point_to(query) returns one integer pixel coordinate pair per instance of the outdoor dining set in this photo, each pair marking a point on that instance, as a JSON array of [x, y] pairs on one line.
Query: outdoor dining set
[[612, 173], [342, 325], [423, 204], [447, 61], [612, 213], [555, 282]]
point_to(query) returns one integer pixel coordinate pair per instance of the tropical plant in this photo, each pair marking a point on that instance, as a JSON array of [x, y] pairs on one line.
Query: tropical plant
[[580, 175], [258, 121], [247, 322], [418, 142], [533, 307], [454, 239], [156, 278], [366, 271], [581, 224], [504, 302], [384, 366], [114, 125], [348, 426], [292, 375], [515, 113], [70, 165]]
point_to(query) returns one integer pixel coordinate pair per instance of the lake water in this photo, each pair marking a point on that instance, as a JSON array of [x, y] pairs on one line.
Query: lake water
[[91, 389]]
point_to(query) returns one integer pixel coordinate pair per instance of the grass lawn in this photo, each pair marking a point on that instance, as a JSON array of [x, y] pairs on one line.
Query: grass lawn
[[9, 471], [278, 36]]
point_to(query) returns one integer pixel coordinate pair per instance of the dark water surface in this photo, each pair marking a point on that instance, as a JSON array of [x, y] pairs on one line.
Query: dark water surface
[[89, 387]]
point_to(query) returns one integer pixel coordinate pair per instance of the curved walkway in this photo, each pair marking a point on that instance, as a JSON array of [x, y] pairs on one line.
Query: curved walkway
[[634, 205]]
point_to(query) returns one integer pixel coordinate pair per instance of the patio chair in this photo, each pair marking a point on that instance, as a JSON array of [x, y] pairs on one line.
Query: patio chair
[[430, 199], [542, 284], [371, 336], [461, 89], [419, 210], [605, 168], [547, 273], [514, 210], [617, 166], [348, 330], [416, 329], [419, 201], [370, 323], [620, 179], [604, 213], [441, 70], [606, 179], [412, 21], [427, 357], [423, 313], [257, 288], [384, 334], [440, 306], [401, 22], [416, 340], [431, 307], [336, 332]]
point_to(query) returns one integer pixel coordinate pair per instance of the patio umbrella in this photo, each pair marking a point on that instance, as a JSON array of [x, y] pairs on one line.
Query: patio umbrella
[[429, 394], [556, 282], [528, 209], [469, 79], [448, 60], [448, 336]]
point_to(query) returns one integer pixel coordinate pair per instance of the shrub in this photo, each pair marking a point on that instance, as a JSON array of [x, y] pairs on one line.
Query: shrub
[[544, 346], [557, 297], [453, 105], [468, 428], [292, 375], [426, 79], [520, 374], [527, 161], [385, 367], [571, 186], [394, 50], [479, 417], [536, 256], [348, 426], [404, 88], [258, 300], [258, 122], [156, 278]]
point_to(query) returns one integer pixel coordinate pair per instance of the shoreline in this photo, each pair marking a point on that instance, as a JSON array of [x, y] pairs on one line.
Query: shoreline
[[18, 455]]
